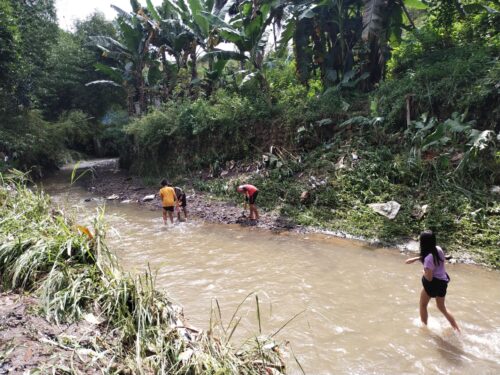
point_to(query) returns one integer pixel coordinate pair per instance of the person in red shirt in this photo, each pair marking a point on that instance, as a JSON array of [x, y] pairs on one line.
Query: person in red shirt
[[250, 192]]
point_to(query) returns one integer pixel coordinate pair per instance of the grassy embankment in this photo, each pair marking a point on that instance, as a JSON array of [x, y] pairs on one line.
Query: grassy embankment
[[44, 252], [349, 149]]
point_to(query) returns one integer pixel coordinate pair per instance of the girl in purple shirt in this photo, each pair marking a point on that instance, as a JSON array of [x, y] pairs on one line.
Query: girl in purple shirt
[[435, 279]]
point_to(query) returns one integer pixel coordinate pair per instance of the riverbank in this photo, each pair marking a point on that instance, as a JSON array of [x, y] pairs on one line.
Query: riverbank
[[217, 204], [29, 343], [110, 183], [60, 281]]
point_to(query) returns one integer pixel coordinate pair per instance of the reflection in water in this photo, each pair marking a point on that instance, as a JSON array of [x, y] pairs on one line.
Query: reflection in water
[[360, 305]]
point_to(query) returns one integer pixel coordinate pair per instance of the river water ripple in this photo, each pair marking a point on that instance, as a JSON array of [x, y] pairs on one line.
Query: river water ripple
[[358, 306]]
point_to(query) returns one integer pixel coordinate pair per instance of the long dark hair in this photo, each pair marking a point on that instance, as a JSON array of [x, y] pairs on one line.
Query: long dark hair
[[428, 246]]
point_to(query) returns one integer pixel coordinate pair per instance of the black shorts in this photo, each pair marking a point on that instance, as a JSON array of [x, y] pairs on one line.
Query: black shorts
[[435, 287], [252, 199], [169, 208], [182, 200]]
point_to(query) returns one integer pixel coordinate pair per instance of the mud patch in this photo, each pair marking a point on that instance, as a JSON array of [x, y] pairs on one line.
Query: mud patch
[[30, 344]]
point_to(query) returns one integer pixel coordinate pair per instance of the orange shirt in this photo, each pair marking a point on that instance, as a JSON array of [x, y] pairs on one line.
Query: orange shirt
[[168, 197]]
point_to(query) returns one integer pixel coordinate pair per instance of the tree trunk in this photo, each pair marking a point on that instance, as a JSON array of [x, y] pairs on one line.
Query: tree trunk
[[194, 72]]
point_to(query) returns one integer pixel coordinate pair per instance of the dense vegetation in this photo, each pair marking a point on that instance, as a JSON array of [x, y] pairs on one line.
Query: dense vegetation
[[377, 100]]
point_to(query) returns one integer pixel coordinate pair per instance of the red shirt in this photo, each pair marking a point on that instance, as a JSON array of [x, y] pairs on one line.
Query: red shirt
[[250, 189]]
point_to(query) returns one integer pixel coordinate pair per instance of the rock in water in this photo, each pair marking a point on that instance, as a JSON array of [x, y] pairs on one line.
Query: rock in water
[[149, 197], [112, 197], [388, 209]]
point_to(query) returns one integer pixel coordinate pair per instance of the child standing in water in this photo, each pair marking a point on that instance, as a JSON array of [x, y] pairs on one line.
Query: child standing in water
[[435, 279], [250, 192], [168, 199], [181, 203]]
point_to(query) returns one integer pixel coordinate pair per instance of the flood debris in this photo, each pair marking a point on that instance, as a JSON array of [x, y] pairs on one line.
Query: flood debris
[[388, 209], [419, 212], [304, 197]]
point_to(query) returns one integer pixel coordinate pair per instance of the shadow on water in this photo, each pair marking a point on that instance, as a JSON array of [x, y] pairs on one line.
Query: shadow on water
[[449, 346]]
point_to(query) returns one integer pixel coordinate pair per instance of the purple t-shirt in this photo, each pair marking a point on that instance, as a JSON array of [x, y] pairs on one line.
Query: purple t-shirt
[[437, 271]]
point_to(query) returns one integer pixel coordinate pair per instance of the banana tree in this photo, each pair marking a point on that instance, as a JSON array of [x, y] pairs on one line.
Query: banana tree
[[343, 39], [192, 27], [248, 30], [132, 65]]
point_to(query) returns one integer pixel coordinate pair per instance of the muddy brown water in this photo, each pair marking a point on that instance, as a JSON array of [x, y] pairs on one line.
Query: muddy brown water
[[359, 305]]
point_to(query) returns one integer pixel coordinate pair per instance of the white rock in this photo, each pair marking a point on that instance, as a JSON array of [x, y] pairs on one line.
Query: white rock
[[420, 211], [92, 319], [340, 164], [149, 197], [495, 189], [126, 201], [388, 209], [185, 355], [113, 197]]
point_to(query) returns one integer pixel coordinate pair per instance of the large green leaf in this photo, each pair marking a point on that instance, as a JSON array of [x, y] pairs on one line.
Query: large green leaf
[[174, 7], [374, 14], [224, 55], [436, 137], [209, 5], [111, 72], [152, 11], [415, 4], [109, 43], [286, 36], [121, 12], [184, 7], [196, 12], [154, 74], [216, 21], [232, 36], [131, 36]]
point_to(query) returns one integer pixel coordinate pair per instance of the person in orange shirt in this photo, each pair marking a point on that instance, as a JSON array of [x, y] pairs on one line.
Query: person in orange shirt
[[250, 192], [168, 199]]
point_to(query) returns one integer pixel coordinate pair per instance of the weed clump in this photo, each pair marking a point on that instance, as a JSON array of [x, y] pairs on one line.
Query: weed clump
[[45, 252]]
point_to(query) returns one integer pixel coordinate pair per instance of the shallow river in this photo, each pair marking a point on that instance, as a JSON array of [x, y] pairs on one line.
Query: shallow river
[[359, 305]]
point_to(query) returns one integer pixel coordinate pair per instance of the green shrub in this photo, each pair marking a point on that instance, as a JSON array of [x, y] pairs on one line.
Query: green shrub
[[30, 143], [77, 131], [441, 80], [113, 140]]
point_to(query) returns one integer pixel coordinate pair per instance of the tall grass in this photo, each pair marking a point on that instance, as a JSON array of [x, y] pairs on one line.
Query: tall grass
[[44, 251]]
